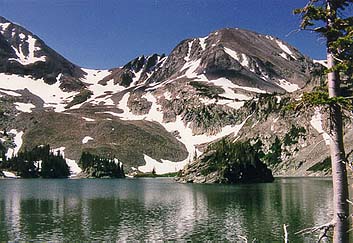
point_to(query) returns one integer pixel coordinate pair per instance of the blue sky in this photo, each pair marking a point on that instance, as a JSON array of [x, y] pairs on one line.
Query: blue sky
[[109, 33]]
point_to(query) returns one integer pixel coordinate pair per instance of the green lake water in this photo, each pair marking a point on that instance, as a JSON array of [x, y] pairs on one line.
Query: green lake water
[[160, 209]]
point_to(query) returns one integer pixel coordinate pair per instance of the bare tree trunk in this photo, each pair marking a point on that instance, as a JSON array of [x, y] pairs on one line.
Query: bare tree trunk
[[339, 171]]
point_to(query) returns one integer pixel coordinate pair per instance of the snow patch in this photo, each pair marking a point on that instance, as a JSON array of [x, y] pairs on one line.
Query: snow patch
[[190, 68], [74, 168], [38, 164], [10, 92], [322, 62], [232, 104], [127, 114], [273, 123], [203, 43], [11, 152], [136, 78], [4, 26], [163, 167], [316, 123], [167, 95], [284, 55], [242, 59], [8, 174], [86, 139], [30, 58], [245, 60], [288, 86], [100, 92], [232, 53], [88, 119], [269, 37], [228, 87], [22, 36], [187, 58], [285, 48], [155, 113], [52, 95], [251, 89], [111, 113], [24, 107], [229, 84], [231, 98]]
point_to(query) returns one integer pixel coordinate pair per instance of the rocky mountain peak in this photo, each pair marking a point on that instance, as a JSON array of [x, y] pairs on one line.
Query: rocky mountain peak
[[24, 53], [245, 58]]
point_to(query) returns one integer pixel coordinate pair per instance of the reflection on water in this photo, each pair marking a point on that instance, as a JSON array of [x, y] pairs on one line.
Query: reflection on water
[[159, 209]]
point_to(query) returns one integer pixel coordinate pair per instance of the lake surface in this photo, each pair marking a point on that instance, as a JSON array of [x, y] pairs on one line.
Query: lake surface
[[160, 209]]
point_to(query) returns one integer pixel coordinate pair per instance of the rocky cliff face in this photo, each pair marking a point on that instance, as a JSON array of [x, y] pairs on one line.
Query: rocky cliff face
[[160, 112]]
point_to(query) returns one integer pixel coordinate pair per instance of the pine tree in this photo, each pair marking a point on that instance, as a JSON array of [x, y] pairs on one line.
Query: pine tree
[[333, 19]]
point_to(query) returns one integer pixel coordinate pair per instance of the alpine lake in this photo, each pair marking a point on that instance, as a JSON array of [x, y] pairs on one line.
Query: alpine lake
[[159, 209]]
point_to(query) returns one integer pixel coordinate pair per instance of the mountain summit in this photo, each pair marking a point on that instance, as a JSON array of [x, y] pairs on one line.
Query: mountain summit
[[161, 112], [24, 53]]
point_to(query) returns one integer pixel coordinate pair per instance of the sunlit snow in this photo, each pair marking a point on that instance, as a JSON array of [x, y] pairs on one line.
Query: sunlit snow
[[9, 92], [190, 68], [284, 55], [24, 107], [322, 62], [289, 87], [74, 168], [52, 95], [100, 92], [11, 152], [163, 167], [269, 37], [316, 123], [242, 59], [9, 174], [187, 58], [185, 132], [273, 123], [30, 58], [4, 26], [167, 95], [285, 48], [88, 119], [86, 139], [203, 42]]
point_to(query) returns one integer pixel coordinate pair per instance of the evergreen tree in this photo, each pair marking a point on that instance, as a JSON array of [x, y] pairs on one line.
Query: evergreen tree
[[237, 162], [54, 166], [26, 164], [333, 19], [97, 166]]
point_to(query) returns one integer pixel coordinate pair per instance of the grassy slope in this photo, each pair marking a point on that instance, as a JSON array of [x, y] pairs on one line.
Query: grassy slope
[[125, 140]]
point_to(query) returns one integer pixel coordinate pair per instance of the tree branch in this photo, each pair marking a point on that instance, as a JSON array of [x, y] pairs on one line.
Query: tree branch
[[324, 234], [285, 233], [324, 227], [293, 31]]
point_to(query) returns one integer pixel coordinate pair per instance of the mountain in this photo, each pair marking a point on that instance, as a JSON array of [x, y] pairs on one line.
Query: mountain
[[24, 53], [160, 112]]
